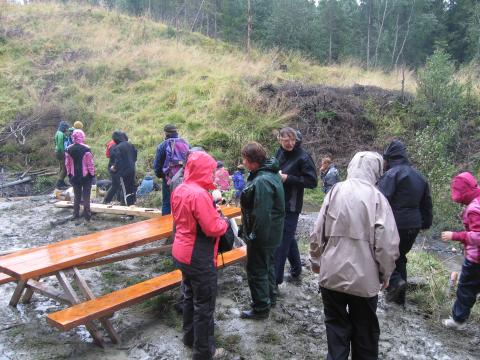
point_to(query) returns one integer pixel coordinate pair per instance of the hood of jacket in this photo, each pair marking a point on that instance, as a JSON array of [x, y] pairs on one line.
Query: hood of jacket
[[270, 165], [367, 166], [119, 136], [199, 169], [63, 126], [396, 153], [78, 136], [464, 188]]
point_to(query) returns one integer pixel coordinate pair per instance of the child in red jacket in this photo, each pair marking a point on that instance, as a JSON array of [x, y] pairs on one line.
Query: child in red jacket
[[465, 191]]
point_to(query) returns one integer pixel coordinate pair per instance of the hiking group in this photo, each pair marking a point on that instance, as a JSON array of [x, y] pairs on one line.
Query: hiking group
[[366, 226]]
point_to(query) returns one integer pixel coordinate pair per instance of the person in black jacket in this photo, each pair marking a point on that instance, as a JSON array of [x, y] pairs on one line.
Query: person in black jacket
[[408, 193], [123, 157], [297, 172]]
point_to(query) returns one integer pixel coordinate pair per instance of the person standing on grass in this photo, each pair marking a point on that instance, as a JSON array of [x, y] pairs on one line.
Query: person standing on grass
[[329, 174], [297, 173], [465, 191], [222, 178], [81, 171], [353, 248], [198, 227], [169, 159], [409, 196], [263, 212], [59, 141]]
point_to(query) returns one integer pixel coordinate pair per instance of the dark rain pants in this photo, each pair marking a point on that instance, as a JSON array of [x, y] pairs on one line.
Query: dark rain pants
[[407, 239], [199, 294], [81, 191], [116, 189], [468, 288], [62, 170], [166, 207], [350, 321], [288, 249], [261, 277]]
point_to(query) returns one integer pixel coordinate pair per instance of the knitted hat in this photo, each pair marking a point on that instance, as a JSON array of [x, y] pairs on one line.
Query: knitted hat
[[170, 129], [78, 125]]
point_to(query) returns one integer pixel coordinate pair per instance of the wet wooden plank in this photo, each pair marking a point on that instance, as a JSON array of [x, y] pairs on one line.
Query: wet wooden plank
[[26, 264], [102, 306], [4, 278], [116, 209]]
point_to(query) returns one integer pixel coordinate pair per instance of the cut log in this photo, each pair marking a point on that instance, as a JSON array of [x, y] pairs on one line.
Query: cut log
[[16, 182], [116, 209]]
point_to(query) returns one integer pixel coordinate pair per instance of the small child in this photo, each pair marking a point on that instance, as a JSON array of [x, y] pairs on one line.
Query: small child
[[465, 191]]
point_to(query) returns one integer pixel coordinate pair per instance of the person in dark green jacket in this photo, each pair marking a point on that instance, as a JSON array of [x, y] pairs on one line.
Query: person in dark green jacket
[[263, 212], [59, 141]]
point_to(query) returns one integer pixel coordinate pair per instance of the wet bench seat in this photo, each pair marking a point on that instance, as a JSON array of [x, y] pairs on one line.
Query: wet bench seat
[[106, 305]]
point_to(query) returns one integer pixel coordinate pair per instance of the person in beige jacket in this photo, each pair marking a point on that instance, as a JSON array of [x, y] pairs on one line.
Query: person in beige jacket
[[353, 247]]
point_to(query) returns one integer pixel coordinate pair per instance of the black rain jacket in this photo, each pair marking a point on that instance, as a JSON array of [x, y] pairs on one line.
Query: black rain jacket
[[406, 189]]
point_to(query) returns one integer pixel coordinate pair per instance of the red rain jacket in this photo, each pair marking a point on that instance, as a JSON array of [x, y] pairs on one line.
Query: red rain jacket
[[198, 224]]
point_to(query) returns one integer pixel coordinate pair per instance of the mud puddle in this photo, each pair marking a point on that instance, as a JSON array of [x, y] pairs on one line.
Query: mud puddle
[[152, 330]]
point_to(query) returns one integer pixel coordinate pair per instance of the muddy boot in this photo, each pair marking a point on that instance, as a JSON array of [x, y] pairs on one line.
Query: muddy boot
[[254, 315], [394, 292]]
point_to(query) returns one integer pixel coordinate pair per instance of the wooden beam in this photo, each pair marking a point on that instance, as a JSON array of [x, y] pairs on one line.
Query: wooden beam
[[48, 291], [111, 259], [116, 209], [16, 182]]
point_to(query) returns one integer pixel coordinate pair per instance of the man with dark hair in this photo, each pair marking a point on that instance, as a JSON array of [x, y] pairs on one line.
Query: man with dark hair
[[297, 173], [169, 159], [263, 211], [409, 196]]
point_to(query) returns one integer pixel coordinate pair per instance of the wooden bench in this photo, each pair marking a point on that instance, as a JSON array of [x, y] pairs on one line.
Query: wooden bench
[[106, 305], [4, 278]]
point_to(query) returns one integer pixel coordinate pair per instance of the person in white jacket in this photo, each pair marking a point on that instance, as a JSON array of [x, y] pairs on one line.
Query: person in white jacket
[[353, 248]]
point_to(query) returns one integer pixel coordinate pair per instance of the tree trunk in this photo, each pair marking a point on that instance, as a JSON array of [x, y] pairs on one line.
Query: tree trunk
[[369, 9], [249, 26], [406, 33], [395, 41], [380, 34]]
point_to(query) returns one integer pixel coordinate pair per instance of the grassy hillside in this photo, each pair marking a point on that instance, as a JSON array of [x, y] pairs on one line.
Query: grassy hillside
[[116, 72]]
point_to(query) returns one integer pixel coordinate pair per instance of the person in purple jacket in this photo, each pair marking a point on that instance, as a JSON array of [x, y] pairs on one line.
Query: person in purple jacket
[[465, 191]]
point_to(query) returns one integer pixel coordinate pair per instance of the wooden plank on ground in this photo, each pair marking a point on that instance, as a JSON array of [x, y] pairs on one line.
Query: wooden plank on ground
[[116, 209], [105, 305]]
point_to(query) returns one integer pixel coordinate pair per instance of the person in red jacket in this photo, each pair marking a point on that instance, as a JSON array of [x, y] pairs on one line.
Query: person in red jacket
[[198, 229], [465, 190]]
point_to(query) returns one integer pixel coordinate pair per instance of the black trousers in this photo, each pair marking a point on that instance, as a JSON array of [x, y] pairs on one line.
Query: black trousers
[[350, 321], [407, 239], [199, 295], [261, 277], [288, 249], [81, 191], [468, 288], [116, 189]]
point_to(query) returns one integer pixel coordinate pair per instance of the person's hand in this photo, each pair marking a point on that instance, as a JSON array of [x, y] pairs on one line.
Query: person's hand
[[447, 235], [284, 177], [385, 284], [314, 267]]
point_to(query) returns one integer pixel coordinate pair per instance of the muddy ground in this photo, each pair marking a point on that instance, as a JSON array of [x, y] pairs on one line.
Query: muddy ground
[[152, 330]]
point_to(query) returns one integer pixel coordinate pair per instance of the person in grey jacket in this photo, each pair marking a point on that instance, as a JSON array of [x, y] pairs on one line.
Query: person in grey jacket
[[329, 174], [353, 247]]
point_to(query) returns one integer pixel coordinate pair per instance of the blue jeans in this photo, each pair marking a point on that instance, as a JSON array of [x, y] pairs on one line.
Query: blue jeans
[[288, 249], [165, 198], [468, 288]]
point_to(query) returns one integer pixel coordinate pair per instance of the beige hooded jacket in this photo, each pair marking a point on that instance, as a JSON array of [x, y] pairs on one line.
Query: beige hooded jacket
[[362, 238]]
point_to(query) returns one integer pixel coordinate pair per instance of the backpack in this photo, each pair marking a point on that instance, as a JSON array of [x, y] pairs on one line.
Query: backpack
[[175, 155]]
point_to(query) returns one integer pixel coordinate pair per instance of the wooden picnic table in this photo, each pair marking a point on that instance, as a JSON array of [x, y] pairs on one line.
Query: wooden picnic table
[[28, 266]]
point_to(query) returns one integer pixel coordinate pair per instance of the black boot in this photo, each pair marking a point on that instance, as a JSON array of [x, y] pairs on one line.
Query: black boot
[[253, 315]]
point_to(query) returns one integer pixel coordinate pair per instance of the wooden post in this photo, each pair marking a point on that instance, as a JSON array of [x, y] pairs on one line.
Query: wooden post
[[17, 293]]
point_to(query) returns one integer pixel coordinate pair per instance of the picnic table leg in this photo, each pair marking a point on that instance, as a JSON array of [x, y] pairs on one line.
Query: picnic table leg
[[87, 292], [92, 329], [18, 292], [28, 293]]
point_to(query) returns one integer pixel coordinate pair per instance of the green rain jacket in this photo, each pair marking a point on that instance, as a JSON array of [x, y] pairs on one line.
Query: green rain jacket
[[263, 206], [59, 140]]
